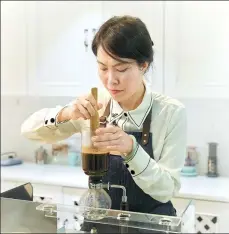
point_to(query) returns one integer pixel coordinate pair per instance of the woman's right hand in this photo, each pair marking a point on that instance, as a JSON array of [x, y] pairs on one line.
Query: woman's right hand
[[83, 107]]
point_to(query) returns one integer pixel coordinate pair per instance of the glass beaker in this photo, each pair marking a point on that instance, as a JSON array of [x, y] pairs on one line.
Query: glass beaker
[[94, 160]]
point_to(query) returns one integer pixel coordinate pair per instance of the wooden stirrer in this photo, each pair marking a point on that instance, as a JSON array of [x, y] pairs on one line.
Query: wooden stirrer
[[94, 121]]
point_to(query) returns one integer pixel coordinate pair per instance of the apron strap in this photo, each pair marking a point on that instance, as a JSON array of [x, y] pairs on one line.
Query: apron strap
[[107, 110], [146, 124]]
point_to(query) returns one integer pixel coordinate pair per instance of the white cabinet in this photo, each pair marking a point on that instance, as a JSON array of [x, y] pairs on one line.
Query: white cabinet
[[13, 48], [43, 51], [211, 216], [7, 185], [196, 49], [58, 62], [45, 193], [41, 193], [151, 13], [71, 197]]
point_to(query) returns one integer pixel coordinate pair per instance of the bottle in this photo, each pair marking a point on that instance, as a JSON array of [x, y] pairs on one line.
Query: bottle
[[212, 160], [41, 155]]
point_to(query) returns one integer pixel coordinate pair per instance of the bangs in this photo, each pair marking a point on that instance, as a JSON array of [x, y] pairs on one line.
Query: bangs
[[117, 46], [112, 53]]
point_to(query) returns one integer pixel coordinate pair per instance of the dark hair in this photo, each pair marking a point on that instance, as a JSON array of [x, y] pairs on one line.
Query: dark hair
[[125, 37]]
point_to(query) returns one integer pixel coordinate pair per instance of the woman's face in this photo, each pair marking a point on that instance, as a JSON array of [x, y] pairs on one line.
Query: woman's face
[[121, 79]]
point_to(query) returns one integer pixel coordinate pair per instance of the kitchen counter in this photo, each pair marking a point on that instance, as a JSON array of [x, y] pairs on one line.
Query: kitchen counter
[[200, 187]]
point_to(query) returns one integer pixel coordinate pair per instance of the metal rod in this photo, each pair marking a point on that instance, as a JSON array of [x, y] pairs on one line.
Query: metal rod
[[124, 197], [108, 186]]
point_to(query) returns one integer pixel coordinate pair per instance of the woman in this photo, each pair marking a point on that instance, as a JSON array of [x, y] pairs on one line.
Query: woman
[[148, 129]]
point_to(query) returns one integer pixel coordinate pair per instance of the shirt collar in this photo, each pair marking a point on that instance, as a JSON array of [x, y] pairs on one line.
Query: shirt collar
[[136, 116]]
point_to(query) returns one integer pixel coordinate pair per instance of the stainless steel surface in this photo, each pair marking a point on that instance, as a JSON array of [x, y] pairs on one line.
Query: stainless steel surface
[[32, 217], [22, 216]]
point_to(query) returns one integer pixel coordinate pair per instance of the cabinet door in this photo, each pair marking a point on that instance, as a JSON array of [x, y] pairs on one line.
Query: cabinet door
[[72, 195], [71, 198], [13, 48], [7, 185], [58, 62], [151, 13], [211, 216], [197, 49], [46, 193]]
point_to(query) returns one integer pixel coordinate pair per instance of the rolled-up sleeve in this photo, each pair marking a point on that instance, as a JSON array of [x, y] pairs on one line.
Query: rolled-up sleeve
[[161, 179]]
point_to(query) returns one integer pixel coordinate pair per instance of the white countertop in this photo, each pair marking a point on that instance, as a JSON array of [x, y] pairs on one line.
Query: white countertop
[[200, 187]]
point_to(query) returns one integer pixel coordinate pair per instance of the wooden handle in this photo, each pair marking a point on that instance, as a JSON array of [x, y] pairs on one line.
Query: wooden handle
[[94, 121], [94, 92]]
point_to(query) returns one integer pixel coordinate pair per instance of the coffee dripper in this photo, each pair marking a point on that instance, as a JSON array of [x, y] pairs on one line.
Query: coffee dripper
[[95, 165]]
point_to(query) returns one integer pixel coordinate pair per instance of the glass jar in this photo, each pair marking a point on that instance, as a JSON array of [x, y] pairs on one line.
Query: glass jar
[[94, 160]]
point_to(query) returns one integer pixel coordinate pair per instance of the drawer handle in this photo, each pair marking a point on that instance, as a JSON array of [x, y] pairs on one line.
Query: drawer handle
[[76, 203], [42, 198]]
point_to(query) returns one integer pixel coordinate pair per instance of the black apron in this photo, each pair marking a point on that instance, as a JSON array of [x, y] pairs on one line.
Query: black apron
[[138, 201]]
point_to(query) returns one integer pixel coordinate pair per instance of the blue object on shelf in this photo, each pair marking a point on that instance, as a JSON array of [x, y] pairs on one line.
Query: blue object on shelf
[[10, 159], [74, 158], [189, 171], [10, 162], [189, 174]]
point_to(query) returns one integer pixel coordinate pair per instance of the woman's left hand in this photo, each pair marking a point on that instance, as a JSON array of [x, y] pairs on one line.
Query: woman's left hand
[[113, 138]]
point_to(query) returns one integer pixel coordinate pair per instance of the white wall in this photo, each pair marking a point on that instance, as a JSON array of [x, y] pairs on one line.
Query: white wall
[[207, 121], [14, 110]]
